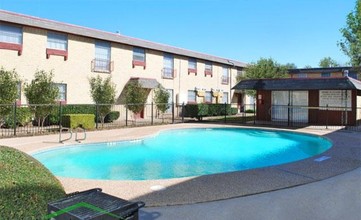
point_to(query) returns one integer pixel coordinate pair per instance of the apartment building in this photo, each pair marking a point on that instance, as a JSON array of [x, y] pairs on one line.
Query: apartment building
[[75, 54], [329, 72]]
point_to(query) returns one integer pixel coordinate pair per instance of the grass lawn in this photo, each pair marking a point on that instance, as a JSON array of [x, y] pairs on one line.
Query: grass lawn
[[26, 186]]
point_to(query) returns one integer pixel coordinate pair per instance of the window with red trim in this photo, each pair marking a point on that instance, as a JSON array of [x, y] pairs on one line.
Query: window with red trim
[[192, 66], [57, 45], [62, 92], [208, 69], [139, 57], [11, 38]]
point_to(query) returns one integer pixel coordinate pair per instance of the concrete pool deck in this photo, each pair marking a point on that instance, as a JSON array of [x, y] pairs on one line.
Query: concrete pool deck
[[344, 156]]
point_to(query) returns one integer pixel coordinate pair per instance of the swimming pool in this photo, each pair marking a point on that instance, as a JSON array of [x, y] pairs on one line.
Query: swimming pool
[[182, 153]]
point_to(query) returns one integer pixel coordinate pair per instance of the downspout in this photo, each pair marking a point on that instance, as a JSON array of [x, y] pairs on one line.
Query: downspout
[[230, 81]]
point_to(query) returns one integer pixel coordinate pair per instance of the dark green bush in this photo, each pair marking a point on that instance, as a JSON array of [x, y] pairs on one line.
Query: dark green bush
[[196, 110], [26, 186], [23, 117], [201, 110], [249, 111], [111, 116], [76, 120], [234, 111]]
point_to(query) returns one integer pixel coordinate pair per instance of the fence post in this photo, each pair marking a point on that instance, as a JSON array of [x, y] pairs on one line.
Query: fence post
[[327, 116], [288, 114], [14, 123], [172, 112], [254, 113], [225, 112], [183, 112], [96, 115], [126, 115], [60, 116], [151, 121]]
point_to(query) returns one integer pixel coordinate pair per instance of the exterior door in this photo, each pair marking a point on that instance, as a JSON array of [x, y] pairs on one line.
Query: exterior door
[[298, 100]]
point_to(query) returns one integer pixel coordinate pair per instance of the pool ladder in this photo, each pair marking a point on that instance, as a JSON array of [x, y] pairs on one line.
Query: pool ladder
[[71, 134]]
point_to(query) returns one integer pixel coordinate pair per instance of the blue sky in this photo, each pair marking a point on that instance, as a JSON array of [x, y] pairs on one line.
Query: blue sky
[[290, 31]]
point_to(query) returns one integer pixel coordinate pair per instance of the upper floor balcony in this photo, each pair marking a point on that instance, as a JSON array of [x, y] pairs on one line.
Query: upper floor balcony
[[102, 65]]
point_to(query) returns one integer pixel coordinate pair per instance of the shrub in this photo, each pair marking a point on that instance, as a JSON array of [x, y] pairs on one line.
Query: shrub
[[23, 117], [26, 186], [196, 110], [112, 116], [53, 119], [249, 111], [234, 111], [76, 120]]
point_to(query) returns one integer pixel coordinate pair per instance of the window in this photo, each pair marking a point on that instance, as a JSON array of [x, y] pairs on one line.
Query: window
[[168, 66], [102, 62], [325, 75], [57, 45], [62, 92], [301, 75], [225, 75], [208, 69], [208, 97], [11, 38], [192, 66], [138, 57], [225, 97], [191, 96]]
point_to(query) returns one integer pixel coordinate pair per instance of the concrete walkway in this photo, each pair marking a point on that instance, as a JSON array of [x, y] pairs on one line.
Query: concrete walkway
[[336, 198]]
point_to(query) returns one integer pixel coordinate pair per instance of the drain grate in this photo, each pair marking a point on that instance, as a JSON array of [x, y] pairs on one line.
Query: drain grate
[[323, 158]]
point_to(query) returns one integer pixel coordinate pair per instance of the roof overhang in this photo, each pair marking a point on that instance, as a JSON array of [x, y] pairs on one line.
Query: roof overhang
[[146, 83], [344, 83], [20, 19]]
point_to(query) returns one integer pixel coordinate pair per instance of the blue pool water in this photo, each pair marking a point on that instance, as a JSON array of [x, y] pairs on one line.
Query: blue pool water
[[182, 153]]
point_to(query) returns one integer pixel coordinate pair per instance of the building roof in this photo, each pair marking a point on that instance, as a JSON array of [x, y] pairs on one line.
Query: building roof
[[300, 84], [146, 83], [31, 21], [323, 70]]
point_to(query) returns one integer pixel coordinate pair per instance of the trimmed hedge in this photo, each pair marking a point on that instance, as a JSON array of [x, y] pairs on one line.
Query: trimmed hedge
[[53, 119], [76, 120], [202, 110], [26, 186]]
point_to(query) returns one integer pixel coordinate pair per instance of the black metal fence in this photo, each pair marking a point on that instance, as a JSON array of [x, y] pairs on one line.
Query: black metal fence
[[26, 120]]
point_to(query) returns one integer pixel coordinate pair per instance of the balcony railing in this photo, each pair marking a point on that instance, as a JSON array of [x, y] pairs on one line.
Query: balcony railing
[[168, 73], [225, 80], [102, 65]]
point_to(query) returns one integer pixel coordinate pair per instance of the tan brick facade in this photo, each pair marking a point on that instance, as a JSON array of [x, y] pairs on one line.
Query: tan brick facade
[[76, 70]]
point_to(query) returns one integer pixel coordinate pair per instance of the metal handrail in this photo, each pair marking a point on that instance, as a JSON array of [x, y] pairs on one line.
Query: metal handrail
[[66, 139], [76, 134]]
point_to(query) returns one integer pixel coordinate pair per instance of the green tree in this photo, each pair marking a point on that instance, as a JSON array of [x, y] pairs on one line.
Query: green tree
[[351, 44], [41, 94], [265, 68], [328, 62], [103, 94], [8, 91], [135, 97], [161, 98]]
